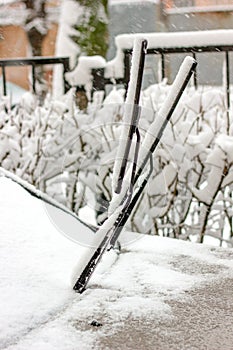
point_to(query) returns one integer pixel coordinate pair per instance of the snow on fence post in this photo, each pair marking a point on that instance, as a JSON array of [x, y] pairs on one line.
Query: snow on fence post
[[82, 75]]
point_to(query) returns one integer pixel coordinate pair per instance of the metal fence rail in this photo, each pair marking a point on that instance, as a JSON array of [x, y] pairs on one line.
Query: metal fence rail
[[99, 81], [33, 62], [189, 50]]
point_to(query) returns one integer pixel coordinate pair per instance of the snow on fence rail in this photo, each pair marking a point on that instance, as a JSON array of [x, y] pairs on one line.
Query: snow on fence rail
[[196, 41]]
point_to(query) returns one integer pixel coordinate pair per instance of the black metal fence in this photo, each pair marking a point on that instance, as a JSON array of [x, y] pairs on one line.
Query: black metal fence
[[99, 81], [33, 62]]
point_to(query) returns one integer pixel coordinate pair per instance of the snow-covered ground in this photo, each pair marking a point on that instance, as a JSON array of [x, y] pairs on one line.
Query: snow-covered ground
[[158, 293]]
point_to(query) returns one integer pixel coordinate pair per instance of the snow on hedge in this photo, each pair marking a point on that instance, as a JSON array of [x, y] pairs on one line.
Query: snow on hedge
[[70, 155]]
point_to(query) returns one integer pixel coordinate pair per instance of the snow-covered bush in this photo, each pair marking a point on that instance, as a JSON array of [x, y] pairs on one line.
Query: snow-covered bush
[[31, 136], [70, 154], [189, 193]]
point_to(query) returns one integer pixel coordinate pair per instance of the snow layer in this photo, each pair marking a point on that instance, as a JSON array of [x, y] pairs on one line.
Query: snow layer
[[65, 46], [81, 75], [33, 255], [39, 309]]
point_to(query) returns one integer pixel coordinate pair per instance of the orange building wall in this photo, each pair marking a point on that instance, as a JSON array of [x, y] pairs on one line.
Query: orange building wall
[[199, 3], [14, 44], [48, 49], [213, 3]]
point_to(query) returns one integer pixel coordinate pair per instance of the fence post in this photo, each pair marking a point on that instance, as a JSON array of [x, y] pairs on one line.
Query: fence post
[[127, 57], [4, 80], [195, 73], [227, 89], [98, 80], [162, 65], [33, 78], [66, 68]]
